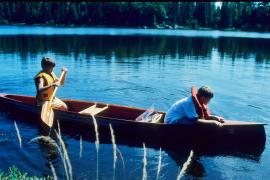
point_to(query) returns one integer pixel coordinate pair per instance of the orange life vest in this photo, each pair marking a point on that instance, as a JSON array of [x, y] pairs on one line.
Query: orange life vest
[[201, 109], [48, 79]]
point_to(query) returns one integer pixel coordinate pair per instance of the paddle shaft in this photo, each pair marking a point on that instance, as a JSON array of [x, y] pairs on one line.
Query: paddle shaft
[[47, 114], [55, 89]]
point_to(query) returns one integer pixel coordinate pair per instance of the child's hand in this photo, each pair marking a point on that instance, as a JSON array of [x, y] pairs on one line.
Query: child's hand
[[57, 83], [64, 69], [220, 119], [218, 123]]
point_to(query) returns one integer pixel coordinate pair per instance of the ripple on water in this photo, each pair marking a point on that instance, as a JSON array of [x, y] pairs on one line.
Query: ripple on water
[[137, 71]]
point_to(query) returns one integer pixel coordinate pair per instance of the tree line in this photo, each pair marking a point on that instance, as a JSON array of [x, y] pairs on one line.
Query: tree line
[[231, 15]]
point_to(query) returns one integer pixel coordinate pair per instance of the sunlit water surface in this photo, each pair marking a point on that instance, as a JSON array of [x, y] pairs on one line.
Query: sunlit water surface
[[136, 68]]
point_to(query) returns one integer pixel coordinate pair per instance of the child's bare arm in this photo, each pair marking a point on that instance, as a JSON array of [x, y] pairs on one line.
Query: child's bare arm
[[213, 122], [40, 85], [64, 77], [216, 118]]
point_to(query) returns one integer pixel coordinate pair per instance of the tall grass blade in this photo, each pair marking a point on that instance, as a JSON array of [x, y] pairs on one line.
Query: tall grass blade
[[114, 151], [65, 154], [185, 166], [53, 171], [96, 142], [51, 141], [18, 134], [159, 164], [144, 163], [123, 162], [81, 147]]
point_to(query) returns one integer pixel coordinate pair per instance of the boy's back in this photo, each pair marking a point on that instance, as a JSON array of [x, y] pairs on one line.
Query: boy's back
[[181, 111]]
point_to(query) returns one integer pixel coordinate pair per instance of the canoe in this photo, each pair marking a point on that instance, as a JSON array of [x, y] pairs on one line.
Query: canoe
[[123, 121]]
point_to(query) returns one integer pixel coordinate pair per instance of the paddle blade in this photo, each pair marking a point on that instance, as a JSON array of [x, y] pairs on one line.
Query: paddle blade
[[47, 114]]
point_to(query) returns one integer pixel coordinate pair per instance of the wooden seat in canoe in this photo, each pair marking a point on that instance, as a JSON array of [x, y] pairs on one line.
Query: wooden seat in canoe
[[93, 110]]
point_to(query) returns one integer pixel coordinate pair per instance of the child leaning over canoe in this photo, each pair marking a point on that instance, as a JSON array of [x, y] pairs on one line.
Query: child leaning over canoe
[[46, 81], [193, 109]]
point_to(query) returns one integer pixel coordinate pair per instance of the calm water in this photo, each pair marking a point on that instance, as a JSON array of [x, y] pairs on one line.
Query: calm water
[[137, 68]]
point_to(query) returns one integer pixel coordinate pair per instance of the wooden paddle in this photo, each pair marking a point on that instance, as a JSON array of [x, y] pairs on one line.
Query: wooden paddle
[[47, 114]]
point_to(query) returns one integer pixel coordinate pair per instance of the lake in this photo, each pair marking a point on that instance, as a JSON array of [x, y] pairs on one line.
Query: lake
[[136, 67]]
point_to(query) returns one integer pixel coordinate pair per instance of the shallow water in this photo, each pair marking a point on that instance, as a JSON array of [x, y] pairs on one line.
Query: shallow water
[[131, 68]]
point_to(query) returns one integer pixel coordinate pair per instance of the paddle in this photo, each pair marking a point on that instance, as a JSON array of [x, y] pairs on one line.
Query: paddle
[[47, 114]]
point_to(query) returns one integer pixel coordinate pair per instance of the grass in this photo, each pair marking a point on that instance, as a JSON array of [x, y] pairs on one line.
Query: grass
[[14, 173]]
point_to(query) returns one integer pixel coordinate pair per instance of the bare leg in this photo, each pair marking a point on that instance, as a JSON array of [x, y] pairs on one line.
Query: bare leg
[[59, 104]]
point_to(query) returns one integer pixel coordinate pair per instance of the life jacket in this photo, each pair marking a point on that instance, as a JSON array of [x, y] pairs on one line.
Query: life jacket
[[48, 79], [201, 109]]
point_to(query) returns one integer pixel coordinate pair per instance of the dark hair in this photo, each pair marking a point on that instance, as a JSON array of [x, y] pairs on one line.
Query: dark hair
[[205, 91], [45, 62]]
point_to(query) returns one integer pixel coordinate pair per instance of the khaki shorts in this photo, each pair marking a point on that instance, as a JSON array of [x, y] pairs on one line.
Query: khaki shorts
[[56, 103]]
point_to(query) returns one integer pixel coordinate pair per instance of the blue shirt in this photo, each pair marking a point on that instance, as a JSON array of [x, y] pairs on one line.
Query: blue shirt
[[182, 111]]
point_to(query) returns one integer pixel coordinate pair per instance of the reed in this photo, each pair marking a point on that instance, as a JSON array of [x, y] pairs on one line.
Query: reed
[[49, 140], [59, 129], [185, 166], [114, 150], [65, 154], [96, 142], [81, 147], [18, 134], [144, 163], [61, 147], [53, 171], [123, 162], [159, 164], [96, 131]]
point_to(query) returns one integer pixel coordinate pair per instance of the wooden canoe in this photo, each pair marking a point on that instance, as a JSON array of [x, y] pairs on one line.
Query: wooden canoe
[[122, 119]]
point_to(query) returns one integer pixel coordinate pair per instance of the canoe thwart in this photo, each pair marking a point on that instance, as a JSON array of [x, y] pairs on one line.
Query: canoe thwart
[[93, 110]]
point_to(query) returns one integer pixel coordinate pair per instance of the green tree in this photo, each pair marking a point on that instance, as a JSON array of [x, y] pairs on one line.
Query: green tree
[[225, 16], [243, 15]]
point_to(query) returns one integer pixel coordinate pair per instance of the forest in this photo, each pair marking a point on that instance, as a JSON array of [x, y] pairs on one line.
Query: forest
[[254, 16]]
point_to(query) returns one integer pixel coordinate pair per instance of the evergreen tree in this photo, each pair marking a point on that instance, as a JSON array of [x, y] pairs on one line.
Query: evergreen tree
[[242, 15]]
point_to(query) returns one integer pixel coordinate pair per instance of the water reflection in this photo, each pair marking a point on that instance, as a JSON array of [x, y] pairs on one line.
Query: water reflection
[[125, 47], [139, 71], [194, 167]]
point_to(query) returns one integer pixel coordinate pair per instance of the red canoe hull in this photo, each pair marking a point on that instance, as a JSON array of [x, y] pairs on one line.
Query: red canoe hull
[[122, 119]]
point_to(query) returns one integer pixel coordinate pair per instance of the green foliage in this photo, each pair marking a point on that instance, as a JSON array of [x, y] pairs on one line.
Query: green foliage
[[14, 174], [239, 15]]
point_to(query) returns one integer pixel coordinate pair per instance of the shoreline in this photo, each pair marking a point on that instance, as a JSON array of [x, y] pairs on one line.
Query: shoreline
[[166, 27]]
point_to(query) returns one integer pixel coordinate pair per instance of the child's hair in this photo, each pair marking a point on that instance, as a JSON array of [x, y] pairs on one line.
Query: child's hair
[[205, 91], [47, 62]]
